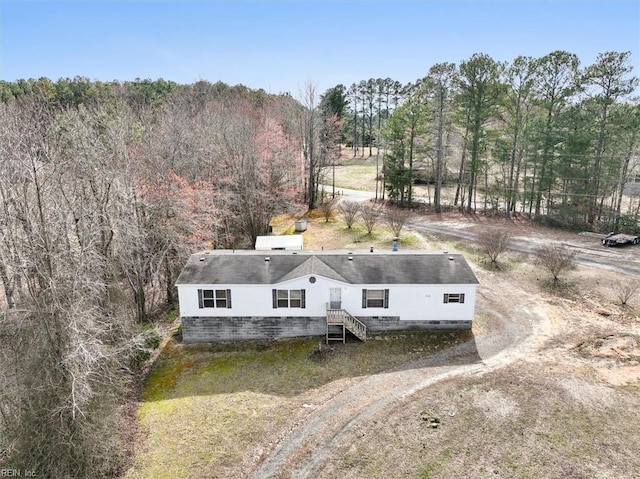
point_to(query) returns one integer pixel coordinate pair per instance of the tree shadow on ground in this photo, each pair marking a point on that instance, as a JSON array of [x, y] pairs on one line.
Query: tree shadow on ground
[[294, 366]]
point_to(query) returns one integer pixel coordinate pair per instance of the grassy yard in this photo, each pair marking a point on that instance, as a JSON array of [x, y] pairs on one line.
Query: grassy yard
[[335, 235], [206, 407], [358, 176], [527, 421], [322, 235]]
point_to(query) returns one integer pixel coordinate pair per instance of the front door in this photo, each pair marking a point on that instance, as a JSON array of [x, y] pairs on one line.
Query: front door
[[335, 298]]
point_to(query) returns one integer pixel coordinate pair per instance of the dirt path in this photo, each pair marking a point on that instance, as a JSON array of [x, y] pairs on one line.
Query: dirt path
[[527, 239], [527, 236], [514, 326]]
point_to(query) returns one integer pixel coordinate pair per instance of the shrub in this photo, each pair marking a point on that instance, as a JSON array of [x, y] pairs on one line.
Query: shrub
[[493, 243], [145, 344], [395, 219], [626, 290], [326, 208], [370, 216], [350, 211], [556, 259]]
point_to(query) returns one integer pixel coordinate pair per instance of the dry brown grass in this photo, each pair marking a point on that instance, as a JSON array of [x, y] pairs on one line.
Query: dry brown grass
[[357, 176], [334, 234], [525, 421], [567, 409]]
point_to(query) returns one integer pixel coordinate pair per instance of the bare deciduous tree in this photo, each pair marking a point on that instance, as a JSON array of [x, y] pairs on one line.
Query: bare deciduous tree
[[556, 259], [327, 207], [66, 343], [370, 216], [395, 218], [312, 145], [493, 243], [350, 211], [626, 290], [99, 206]]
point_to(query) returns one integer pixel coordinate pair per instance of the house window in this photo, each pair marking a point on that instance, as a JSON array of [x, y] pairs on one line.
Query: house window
[[214, 298], [375, 298], [454, 297], [288, 298]]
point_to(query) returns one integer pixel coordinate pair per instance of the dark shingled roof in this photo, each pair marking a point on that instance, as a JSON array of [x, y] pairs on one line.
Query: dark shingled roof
[[250, 267]]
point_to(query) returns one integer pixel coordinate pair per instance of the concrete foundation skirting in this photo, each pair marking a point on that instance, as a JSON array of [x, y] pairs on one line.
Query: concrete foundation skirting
[[207, 329]]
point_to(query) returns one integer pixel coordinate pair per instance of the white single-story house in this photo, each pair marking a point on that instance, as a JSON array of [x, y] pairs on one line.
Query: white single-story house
[[279, 242], [248, 294]]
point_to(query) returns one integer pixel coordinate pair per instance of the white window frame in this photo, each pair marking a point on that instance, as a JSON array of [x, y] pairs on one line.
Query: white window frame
[[289, 298], [375, 298], [214, 298]]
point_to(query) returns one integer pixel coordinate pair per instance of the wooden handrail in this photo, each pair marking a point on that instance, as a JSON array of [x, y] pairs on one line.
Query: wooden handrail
[[356, 326], [353, 324]]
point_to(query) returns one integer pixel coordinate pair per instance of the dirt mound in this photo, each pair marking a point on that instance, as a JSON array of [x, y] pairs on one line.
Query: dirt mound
[[622, 348], [617, 358]]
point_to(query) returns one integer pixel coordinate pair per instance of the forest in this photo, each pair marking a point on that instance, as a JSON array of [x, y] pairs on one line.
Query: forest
[[540, 136], [107, 188]]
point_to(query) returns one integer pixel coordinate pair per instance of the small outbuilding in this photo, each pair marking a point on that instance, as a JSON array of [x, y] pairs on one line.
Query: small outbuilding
[[279, 242]]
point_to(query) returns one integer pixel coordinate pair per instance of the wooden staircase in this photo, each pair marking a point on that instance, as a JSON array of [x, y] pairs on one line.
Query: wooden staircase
[[339, 322]]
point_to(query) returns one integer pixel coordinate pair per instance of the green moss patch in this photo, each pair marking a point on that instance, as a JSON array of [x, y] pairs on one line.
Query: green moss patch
[[206, 407]]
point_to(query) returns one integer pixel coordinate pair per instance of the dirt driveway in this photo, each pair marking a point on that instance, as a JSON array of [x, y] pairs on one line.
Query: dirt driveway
[[528, 236], [547, 388]]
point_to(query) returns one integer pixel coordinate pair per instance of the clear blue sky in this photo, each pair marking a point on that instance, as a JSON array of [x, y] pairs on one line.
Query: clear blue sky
[[280, 45]]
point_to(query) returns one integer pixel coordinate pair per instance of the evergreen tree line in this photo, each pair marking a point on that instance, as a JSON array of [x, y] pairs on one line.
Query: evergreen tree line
[[540, 136]]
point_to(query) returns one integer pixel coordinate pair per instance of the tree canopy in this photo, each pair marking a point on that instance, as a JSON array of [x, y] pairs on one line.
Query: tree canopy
[[107, 187]]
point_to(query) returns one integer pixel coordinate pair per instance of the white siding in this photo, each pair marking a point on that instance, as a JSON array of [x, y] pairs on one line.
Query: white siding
[[283, 242], [409, 302]]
